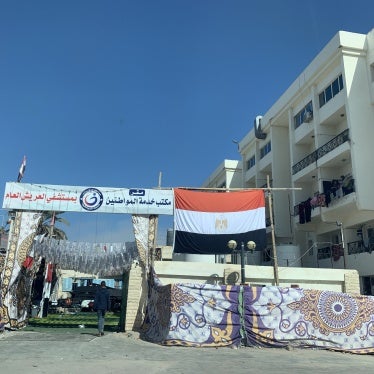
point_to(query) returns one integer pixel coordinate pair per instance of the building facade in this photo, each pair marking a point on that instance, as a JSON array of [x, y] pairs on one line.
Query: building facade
[[314, 145]]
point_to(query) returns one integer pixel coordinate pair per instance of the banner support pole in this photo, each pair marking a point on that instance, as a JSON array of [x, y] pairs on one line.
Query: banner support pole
[[275, 258]]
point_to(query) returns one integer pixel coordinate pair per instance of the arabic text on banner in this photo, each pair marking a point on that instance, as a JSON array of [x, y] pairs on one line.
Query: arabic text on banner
[[24, 196]]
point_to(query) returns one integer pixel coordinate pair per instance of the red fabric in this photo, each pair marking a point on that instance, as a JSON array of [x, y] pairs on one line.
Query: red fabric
[[49, 272], [28, 262]]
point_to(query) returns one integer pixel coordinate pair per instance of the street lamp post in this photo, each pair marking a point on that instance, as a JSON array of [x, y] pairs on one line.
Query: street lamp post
[[340, 225], [251, 245]]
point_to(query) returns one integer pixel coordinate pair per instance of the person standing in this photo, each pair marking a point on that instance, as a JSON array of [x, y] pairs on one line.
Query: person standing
[[101, 305]]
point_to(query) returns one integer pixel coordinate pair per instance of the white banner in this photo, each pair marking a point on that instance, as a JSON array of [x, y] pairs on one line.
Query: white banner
[[45, 197]]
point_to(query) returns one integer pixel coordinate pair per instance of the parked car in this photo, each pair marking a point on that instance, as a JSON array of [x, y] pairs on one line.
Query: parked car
[[85, 296], [87, 305]]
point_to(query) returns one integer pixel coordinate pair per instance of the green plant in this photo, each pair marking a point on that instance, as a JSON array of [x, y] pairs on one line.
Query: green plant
[[74, 320]]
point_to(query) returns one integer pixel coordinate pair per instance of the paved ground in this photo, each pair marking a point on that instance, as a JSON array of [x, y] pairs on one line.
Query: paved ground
[[80, 351]]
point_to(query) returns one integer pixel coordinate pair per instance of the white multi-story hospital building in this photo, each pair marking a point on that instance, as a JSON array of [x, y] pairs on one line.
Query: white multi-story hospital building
[[316, 147]]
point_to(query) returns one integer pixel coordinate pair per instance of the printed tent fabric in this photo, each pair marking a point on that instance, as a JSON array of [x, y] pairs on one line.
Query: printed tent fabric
[[17, 274], [278, 317], [204, 315], [195, 315], [206, 221]]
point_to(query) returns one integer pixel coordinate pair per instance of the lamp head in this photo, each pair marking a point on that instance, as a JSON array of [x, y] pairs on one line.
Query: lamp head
[[232, 244], [251, 245]]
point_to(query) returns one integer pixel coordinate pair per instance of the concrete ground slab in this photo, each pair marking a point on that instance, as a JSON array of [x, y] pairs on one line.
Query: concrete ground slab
[[80, 352]]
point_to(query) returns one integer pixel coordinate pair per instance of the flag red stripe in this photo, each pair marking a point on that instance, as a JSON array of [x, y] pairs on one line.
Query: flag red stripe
[[218, 201]]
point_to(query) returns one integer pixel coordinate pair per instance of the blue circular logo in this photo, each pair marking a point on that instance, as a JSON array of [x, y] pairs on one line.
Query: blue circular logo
[[91, 199]]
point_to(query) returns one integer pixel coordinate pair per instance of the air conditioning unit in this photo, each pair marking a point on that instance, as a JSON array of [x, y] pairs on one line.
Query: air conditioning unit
[[231, 276], [308, 116]]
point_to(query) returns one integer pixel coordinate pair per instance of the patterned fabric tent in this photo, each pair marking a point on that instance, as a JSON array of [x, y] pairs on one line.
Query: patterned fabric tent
[[18, 273], [204, 315], [25, 252]]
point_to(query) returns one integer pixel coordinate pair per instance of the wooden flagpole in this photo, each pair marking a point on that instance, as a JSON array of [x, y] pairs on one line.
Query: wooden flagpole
[[276, 275]]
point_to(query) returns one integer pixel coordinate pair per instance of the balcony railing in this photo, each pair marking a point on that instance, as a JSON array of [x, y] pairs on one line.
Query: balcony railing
[[332, 144], [321, 151], [335, 252], [359, 247], [304, 162]]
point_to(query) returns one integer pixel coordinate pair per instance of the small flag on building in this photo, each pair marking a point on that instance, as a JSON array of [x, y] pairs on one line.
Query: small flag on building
[[22, 169]]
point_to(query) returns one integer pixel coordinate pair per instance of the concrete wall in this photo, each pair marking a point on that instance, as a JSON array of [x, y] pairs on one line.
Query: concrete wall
[[171, 272], [136, 298], [320, 279]]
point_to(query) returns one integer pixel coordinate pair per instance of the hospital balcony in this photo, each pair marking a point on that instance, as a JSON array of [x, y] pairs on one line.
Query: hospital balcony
[[331, 205], [359, 246], [328, 155]]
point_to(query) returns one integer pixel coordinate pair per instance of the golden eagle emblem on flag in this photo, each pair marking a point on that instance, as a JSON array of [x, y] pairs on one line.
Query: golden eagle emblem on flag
[[221, 224]]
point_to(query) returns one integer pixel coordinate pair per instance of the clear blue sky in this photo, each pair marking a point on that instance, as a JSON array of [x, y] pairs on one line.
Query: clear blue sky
[[111, 93]]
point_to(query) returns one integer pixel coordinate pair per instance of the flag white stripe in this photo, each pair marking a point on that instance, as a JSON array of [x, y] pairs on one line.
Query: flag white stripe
[[219, 223]]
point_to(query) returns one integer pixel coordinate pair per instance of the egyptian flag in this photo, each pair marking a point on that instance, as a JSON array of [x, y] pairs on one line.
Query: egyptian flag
[[204, 222], [22, 169]]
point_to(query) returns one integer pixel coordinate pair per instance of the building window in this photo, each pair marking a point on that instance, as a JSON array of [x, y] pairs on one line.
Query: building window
[[251, 162], [117, 283], [67, 284], [265, 150], [335, 87], [305, 115], [372, 72], [323, 253], [331, 90]]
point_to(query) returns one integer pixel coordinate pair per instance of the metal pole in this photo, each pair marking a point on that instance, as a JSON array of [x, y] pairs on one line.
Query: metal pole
[[151, 257], [276, 276], [125, 291], [242, 263], [52, 225], [340, 224]]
